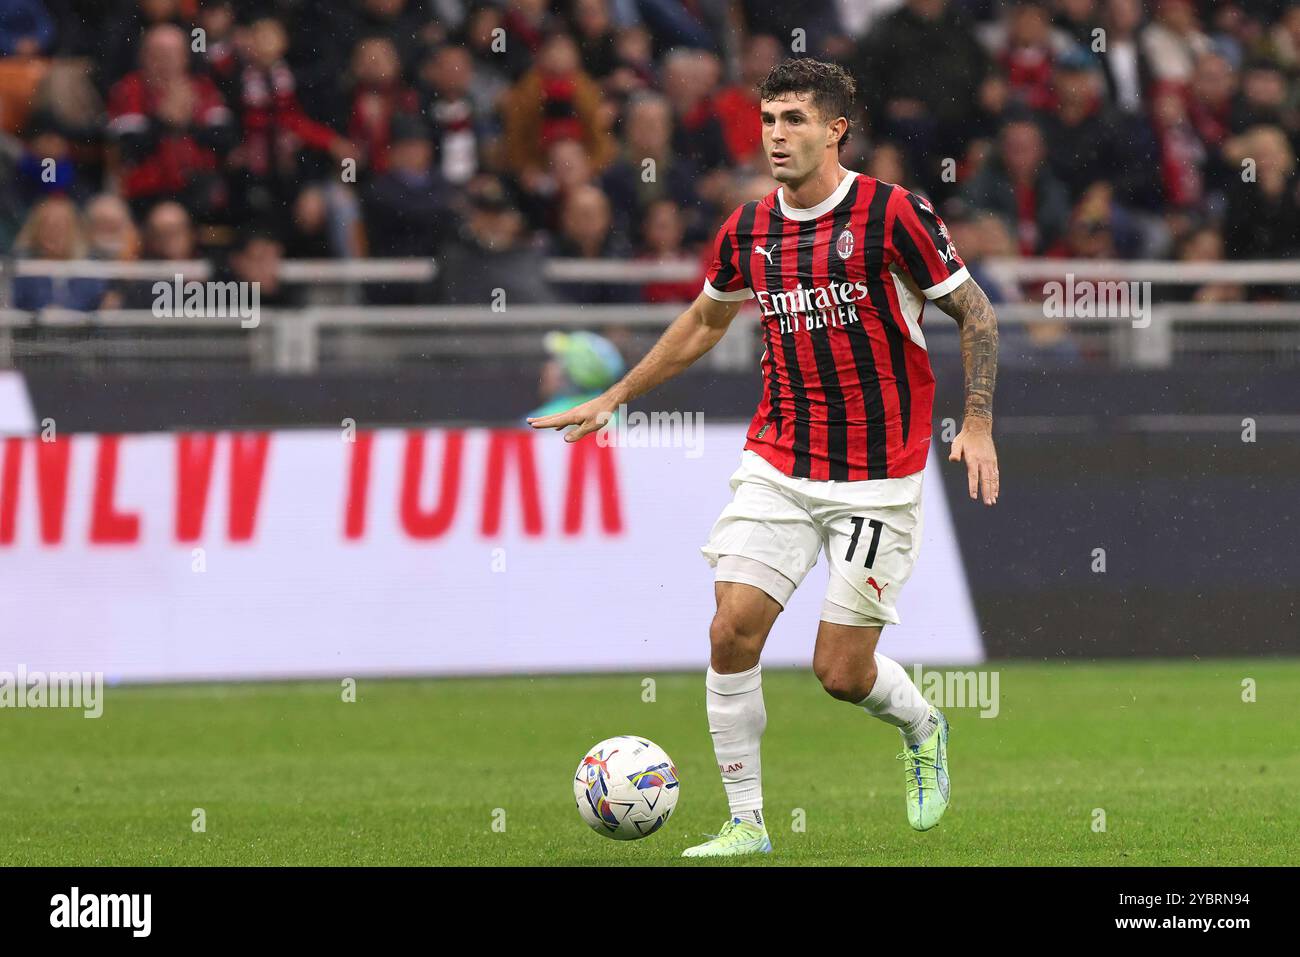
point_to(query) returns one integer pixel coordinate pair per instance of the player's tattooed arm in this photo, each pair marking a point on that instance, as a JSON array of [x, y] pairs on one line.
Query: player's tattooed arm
[[970, 307]]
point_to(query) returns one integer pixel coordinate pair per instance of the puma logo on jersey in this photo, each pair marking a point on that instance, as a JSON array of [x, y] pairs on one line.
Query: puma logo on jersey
[[880, 589], [767, 253]]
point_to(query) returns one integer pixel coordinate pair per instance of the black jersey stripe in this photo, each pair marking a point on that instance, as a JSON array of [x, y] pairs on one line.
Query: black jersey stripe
[[837, 273], [876, 278], [727, 271], [773, 384], [873, 402], [744, 237], [798, 394], [911, 252], [837, 424], [894, 335]]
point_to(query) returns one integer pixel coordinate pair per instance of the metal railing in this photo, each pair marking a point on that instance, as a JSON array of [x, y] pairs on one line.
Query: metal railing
[[304, 339]]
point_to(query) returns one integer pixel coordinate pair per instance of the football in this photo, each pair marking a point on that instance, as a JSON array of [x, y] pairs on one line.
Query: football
[[626, 788]]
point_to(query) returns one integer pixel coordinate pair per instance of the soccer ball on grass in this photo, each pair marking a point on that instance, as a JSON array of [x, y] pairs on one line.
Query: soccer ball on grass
[[626, 787]]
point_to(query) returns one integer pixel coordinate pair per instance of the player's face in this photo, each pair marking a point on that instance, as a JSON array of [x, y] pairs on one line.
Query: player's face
[[795, 136]]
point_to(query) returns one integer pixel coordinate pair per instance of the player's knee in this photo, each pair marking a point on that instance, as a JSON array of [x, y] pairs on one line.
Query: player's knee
[[731, 638], [845, 683]]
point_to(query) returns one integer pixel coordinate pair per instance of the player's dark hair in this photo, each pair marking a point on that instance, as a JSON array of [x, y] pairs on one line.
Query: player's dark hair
[[830, 86]]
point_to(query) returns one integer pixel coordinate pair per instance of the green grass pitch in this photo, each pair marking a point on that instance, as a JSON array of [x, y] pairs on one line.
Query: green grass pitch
[[413, 772]]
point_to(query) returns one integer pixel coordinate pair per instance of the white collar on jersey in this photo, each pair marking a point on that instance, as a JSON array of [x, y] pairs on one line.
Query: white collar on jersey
[[825, 206]]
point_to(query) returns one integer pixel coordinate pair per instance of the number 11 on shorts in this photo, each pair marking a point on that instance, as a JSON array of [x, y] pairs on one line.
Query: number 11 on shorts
[[876, 526]]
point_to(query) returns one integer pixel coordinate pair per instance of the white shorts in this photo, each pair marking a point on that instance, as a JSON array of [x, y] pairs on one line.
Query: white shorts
[[871, 531]]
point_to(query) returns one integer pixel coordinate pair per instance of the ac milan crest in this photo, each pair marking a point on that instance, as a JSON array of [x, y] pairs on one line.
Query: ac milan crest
[[844, 245]]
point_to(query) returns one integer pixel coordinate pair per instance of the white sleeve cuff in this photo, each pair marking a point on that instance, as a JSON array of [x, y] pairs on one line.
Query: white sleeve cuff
[[948, 285], [740, 294]]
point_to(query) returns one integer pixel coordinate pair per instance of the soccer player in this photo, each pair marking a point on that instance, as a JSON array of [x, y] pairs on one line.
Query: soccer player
[[841, 265]]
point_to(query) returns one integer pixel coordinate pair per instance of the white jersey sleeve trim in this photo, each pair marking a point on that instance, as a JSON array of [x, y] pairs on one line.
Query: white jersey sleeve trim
[[722, 296], [948, 285]]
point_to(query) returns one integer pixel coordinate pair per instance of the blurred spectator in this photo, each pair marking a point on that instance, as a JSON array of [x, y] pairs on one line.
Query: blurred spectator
[[1090, 234], [1214, 84], [980, 235], [1077, 19], [53, 231], [490, 263], [679, 23], [1182, 154], [172, 128], [25, 28], [649, 169], [526, 23], [888, 164], [110, 232], [858, 17], [596, 38], [1263, 220], [446, 80], [922, 101], [567, 168], [1033, 343], [46, 165], [378, 95], [407, 209], [1202, 245], [491, 79], [821, 21], [216, 18], [1036, 343], [1089, 142], [585, 233], [553, 101], [66, 94], [256, 259], [1263, 98], [169, 233], [1125, 65], [268, 160], [636, 66], [405, 22], [688, 78], [168, 236], [1018, 185], [1230, 30], [1284, 39], [1174, 41], [737, 105], [1027, 53], [308, 235], [338, 27], [119, 49], [662, 234]]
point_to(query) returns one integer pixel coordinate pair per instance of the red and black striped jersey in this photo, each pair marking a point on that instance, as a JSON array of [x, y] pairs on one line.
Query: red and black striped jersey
[[848, 390]]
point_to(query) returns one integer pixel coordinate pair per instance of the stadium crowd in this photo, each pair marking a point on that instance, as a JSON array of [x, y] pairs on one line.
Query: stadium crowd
[[493, 135]]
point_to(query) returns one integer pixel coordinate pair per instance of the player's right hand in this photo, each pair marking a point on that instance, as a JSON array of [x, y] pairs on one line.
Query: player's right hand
[[588, 417]]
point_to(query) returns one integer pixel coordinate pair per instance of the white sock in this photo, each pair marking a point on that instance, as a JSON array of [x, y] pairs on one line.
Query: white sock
[[895, 700], [736, 721]]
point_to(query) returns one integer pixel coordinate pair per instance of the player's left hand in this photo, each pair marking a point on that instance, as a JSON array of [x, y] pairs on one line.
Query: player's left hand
[[587, 417], [974, 443]]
